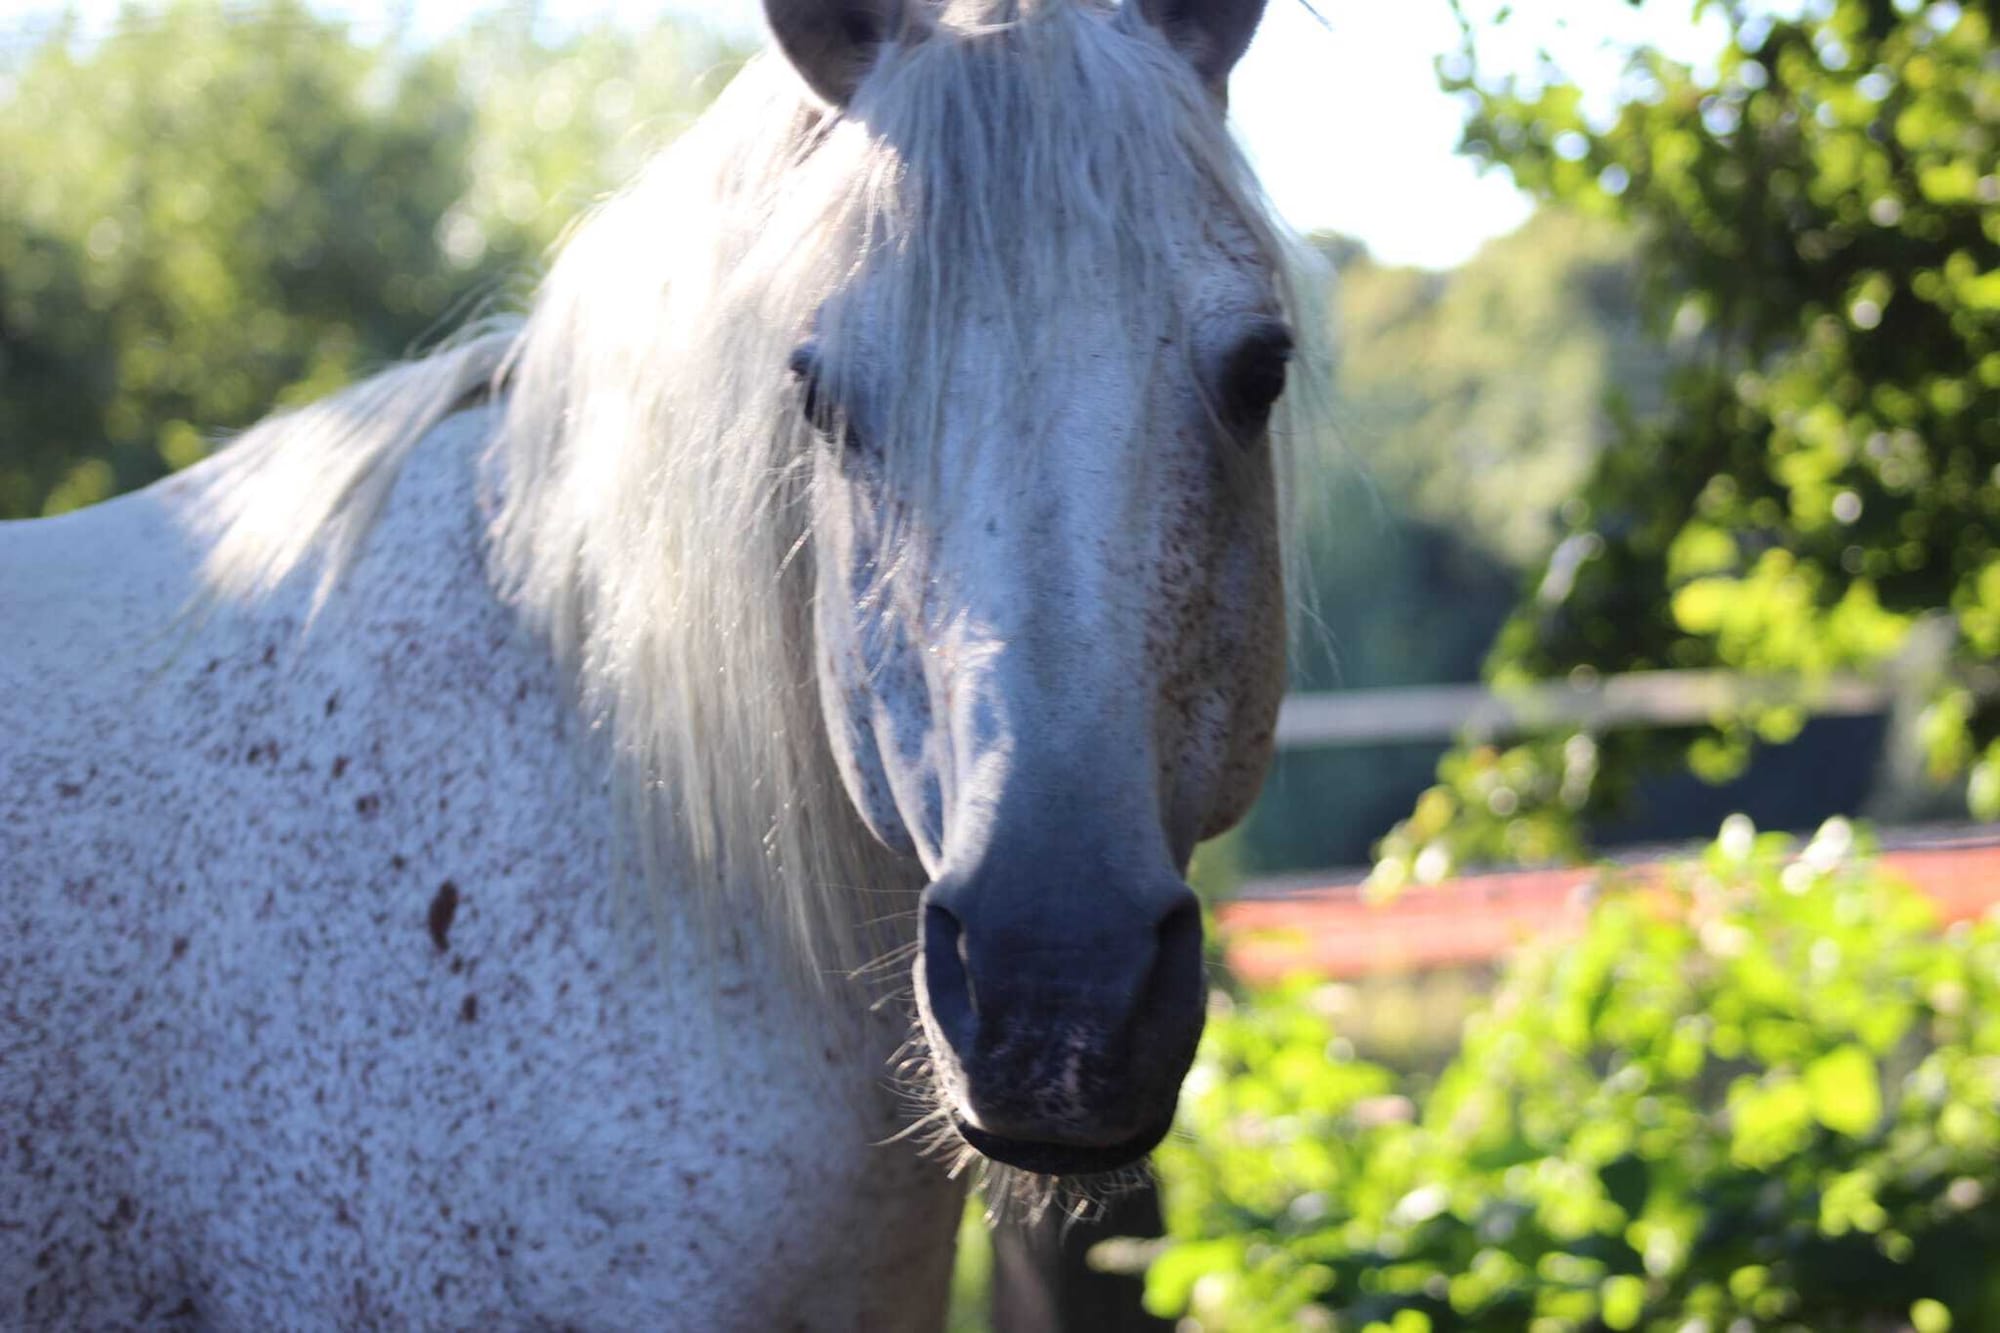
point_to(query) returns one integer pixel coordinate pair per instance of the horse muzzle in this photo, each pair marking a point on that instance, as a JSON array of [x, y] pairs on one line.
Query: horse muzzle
[[1061, 1023]]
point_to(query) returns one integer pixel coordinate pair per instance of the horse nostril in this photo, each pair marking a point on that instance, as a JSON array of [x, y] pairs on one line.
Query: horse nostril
[[947, 981], [1178, 974]]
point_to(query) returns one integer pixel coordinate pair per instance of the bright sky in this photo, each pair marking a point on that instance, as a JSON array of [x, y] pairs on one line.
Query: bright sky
[[1344, 120]]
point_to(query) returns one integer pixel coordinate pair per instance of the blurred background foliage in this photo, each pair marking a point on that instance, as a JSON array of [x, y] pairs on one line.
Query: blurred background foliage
[[211, 210], [1763, 1094], [1816, 222]]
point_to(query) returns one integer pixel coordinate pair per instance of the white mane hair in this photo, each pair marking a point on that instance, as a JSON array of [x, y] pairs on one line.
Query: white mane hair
[[650, 478]]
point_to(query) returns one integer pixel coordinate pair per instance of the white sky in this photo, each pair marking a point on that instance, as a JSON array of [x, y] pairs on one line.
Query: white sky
[[1345, 121]]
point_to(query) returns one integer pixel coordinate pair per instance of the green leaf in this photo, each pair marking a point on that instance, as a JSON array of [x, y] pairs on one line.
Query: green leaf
[[1845, 1091], [1621, 1301], [1929, 1316]]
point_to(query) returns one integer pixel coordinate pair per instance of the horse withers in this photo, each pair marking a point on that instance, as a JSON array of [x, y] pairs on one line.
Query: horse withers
[[569, 832]]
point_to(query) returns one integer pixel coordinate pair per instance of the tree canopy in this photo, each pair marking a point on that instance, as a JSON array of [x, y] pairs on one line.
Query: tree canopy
[[215, 209], [1817, 219]]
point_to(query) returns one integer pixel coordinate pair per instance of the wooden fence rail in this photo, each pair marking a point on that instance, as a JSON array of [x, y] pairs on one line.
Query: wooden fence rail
[[1596, 703], [1321, 923]]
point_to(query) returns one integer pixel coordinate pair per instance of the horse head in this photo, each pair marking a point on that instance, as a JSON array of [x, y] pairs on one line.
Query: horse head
[[1044, 520]]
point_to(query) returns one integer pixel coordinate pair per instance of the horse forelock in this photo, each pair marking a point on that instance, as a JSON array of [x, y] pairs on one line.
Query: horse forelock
[[649, 474]]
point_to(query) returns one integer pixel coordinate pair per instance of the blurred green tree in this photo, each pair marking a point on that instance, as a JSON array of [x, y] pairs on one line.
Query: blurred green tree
[[1473, 404], [1819, 217], [1479, 399], [216, 208]]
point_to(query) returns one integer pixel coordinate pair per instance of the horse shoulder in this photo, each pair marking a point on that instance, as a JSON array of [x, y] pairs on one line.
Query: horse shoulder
[[326, 925]]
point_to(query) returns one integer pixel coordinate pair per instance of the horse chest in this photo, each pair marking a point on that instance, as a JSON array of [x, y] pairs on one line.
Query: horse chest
[[484, 1111]]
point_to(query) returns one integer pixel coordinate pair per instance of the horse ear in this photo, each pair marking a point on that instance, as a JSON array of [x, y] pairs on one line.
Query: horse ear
[[833, 44], [1211, 34]]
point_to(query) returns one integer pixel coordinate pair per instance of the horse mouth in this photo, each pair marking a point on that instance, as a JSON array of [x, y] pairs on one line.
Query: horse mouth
[[1050, 1158]]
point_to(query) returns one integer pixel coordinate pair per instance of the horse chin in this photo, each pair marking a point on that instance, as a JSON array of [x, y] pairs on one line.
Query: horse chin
[[1064, 1159]]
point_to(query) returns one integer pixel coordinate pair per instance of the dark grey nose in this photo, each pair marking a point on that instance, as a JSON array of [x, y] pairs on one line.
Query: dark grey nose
[[1062, 1010]]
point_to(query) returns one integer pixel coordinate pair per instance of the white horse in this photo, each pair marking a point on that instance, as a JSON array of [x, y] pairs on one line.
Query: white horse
[[442, 837]]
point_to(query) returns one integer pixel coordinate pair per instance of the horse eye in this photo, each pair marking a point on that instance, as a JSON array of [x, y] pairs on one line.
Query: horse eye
[[804, 367], [804, 364], [1255, 376]]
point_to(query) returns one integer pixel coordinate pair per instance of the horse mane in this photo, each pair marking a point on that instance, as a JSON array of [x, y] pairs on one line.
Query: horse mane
[[650, 475]]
